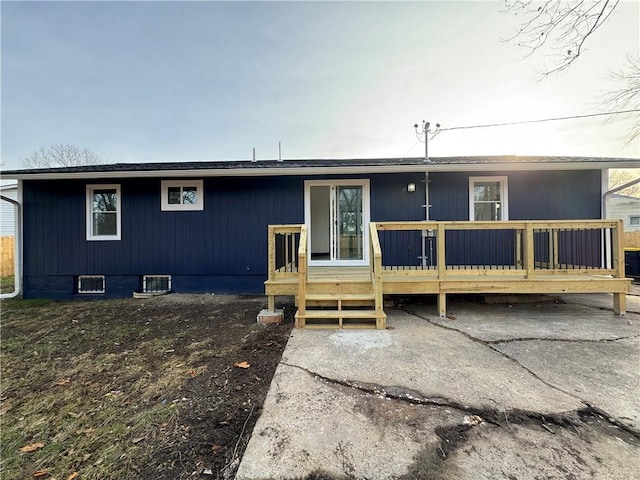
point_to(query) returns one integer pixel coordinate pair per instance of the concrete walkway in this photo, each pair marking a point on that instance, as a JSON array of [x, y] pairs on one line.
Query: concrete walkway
[[542, 390]]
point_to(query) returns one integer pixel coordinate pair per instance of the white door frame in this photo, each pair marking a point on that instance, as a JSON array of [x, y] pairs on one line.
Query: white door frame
[[364, 183]]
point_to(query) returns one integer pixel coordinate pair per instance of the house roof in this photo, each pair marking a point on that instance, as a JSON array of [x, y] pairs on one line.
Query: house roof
[[616, 196], [323, 166]]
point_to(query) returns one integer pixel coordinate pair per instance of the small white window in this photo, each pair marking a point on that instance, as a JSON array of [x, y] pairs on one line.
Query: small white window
[[488, 199], [634, 220], [91, 284], [156, 283], [103, 212], [182, 195]]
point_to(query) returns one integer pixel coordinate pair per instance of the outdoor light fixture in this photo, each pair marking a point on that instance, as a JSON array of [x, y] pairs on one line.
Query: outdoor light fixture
[[411, 187]]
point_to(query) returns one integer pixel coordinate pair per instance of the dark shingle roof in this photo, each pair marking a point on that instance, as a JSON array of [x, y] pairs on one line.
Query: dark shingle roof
[[288, 165]]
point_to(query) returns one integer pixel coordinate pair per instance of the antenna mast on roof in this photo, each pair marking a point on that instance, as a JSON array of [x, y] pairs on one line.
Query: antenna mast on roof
[[424, 132]]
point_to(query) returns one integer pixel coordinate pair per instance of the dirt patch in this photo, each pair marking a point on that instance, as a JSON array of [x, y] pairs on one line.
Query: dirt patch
[[134, 388]]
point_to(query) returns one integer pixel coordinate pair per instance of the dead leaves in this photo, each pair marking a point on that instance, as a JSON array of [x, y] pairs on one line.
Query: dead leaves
[[63, 381], [242, 364], [32, 447], [44, 472]]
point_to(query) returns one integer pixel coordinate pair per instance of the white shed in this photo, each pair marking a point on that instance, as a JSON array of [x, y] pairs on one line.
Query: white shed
[[7, 224], [626, 209]]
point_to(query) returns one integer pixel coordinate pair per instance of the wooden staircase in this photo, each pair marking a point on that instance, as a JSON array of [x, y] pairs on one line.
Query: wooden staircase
[[350, 302]]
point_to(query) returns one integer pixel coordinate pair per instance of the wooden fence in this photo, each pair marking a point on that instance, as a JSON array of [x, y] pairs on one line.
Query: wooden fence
[[632, 239], [7, 251]]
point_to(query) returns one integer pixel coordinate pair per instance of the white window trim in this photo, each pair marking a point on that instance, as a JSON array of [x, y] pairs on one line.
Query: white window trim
[[366, 214], [89, 208], [165, 184], [504, 194]]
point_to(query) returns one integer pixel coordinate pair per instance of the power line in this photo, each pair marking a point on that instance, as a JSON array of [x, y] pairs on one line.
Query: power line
[[538, 121]]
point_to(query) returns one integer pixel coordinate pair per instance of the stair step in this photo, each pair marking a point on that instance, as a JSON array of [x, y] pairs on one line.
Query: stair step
[[340, 296], [340, 314]]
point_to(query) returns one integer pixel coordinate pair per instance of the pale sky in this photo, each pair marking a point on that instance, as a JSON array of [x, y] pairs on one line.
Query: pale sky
[[184, 81]]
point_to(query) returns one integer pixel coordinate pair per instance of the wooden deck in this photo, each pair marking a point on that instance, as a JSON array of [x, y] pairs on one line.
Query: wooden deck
[[543, 258]]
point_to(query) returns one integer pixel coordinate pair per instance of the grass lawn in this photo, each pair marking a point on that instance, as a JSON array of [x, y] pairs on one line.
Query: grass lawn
[[122, 389], [6, 284]]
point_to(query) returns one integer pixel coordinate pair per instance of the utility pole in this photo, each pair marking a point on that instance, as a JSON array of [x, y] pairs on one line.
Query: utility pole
[[425, 131]]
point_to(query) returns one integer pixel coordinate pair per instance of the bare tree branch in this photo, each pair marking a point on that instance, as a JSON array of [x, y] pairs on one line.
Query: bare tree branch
[[560, 29], [618, 177], [626, 93], [61, 156], [558, 26]]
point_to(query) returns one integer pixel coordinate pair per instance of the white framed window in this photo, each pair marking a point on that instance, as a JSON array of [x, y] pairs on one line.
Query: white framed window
[[182, 195], [91, 284], [103, 212], [156, 283], [488, 199], [634, 220]]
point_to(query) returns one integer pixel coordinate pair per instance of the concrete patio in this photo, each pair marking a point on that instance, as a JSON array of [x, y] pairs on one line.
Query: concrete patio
[[535, 390]]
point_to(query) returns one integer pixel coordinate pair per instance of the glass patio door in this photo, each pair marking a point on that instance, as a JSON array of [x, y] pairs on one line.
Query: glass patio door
[[337, 217]]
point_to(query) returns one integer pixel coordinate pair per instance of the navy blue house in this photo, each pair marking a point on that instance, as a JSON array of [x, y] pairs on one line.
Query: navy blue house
[[197, 227]]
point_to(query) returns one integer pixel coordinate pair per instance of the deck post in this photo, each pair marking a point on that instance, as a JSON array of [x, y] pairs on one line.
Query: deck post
[[271, 299], [619, 299], [442, 304], [302, 278], [529, 253], [442, 269], [272, 252], [620, 304], [375, 270], [442, 258], [556, 255]]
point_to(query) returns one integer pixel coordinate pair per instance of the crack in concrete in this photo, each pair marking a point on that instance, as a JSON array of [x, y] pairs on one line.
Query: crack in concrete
[[605, 309], [491, 416], [492, 348], [546, 339], [392, 392], [489, 344]]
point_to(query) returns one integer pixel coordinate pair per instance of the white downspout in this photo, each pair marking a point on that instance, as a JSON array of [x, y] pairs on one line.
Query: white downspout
[[17, 254]]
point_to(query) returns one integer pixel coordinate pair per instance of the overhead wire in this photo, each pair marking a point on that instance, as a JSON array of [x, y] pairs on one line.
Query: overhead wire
[[521, 122], [572, 117]]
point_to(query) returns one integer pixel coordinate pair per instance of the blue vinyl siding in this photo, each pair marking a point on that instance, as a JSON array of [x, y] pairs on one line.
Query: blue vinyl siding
[[533, 195], [223, 248]]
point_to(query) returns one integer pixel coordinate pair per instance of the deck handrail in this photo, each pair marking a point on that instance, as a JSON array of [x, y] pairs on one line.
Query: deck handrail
[[375, 265], [496, 225], [302, 272]]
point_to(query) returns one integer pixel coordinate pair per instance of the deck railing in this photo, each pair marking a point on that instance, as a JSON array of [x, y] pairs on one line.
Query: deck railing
[[435, 249], [528, 248], [284, 243]]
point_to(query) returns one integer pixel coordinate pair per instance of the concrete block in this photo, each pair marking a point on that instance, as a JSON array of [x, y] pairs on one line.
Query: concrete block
[[271, 316]]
